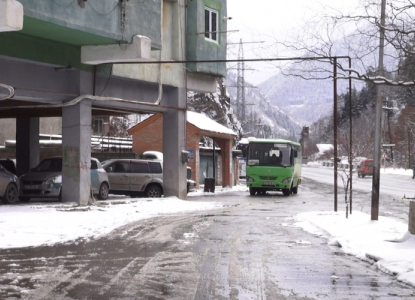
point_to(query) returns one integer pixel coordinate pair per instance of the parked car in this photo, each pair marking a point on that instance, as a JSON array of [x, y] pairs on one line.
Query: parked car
[[135, 177], [365, 168], [152, 155], [9, 186], [8, 164], [45, 180]]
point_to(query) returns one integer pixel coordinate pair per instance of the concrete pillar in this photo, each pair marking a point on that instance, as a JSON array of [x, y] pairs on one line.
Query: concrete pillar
[[76, 153], [411, 217], [226, 154], [27, 144], [174, 141]]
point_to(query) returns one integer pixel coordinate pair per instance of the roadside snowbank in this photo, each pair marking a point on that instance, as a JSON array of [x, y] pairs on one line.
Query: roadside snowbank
[[385, 243]]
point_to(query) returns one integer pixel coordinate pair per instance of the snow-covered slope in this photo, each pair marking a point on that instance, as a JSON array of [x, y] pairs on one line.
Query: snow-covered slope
[[306, 101]]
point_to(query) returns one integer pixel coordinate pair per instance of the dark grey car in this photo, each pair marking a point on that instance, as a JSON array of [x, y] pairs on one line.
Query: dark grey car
[[9, 186], [45, 180]]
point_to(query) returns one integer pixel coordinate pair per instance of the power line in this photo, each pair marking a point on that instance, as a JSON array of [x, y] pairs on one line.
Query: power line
[[245, 43], [299, 58]]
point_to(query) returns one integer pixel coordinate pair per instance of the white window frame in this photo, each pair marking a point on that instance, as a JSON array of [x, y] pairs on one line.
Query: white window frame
[[209, 31]]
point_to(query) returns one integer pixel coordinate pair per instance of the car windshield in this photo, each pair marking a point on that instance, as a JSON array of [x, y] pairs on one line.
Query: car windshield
[[369, 163], [105, 163], [49, 165]]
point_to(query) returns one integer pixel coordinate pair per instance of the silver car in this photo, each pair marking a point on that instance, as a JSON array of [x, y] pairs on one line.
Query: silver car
[[45, 180], [9, 186], [135, 177]]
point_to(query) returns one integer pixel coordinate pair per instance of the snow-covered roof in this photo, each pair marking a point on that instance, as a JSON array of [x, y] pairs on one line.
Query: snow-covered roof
[[324, 147], [205, 123]]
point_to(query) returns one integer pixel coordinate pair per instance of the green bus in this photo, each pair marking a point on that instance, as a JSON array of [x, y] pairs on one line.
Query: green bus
[[273, 165]]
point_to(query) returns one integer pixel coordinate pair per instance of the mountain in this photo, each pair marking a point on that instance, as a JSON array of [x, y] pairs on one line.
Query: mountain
[[305, 101], [216, 106], [263, 117]]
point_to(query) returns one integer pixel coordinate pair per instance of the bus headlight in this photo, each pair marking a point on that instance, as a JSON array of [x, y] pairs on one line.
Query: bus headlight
[[249, 179], [287, 180]]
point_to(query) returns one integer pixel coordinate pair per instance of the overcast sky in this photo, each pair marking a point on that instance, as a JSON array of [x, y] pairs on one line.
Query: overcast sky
[[265, 20]]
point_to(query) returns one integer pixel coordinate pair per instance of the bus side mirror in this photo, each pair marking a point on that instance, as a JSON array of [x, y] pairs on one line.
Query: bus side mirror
[[295, 153]]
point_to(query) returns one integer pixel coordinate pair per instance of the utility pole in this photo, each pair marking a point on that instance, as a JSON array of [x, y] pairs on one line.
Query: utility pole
[[335, 129], [378, 122], [351, 138]]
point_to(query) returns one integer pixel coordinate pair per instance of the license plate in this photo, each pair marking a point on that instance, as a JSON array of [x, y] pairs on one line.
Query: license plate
[[31, 187], [268, 183]]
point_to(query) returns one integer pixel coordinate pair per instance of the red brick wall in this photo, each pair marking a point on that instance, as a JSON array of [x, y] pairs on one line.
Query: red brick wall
[[226, 148], [149, 138]]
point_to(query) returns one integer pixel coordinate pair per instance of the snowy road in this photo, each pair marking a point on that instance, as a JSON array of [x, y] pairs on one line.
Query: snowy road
[[396, 185], [249, 249]]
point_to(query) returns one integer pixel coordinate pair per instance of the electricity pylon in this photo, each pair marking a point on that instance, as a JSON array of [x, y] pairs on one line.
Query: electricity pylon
[[240, 84]]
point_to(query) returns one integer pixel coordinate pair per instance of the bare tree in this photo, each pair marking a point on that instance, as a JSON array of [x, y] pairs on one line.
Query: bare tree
[[404, 135], [363, 138], [335, 33]]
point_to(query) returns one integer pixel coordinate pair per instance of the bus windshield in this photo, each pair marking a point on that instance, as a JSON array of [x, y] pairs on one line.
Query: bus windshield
[[269, 154]]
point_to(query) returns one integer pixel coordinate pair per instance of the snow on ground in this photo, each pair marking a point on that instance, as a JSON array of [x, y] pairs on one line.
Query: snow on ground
[[396, 171], [43, 223], [386, 242], [49, 223]]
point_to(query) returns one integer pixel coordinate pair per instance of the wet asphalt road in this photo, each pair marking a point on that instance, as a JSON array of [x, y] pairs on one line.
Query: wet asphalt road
[[249, 249]]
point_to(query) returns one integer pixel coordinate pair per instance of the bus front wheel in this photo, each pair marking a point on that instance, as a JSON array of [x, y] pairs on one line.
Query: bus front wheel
[[286, 192], [252, 191]]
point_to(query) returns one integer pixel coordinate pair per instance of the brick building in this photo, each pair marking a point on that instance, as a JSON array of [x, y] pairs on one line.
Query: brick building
[[148, 135]]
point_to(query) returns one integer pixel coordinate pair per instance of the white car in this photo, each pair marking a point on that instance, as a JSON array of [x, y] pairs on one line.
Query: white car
[[9, 186]]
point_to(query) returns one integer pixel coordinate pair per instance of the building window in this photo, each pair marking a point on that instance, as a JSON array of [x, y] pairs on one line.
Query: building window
[[211, 25], [98, 126]]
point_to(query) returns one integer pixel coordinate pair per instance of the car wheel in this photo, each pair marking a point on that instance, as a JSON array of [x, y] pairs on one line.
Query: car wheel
[[153, 191], [103, 191], [11, 194], [286, 192], [363, 175], [252, 191]]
